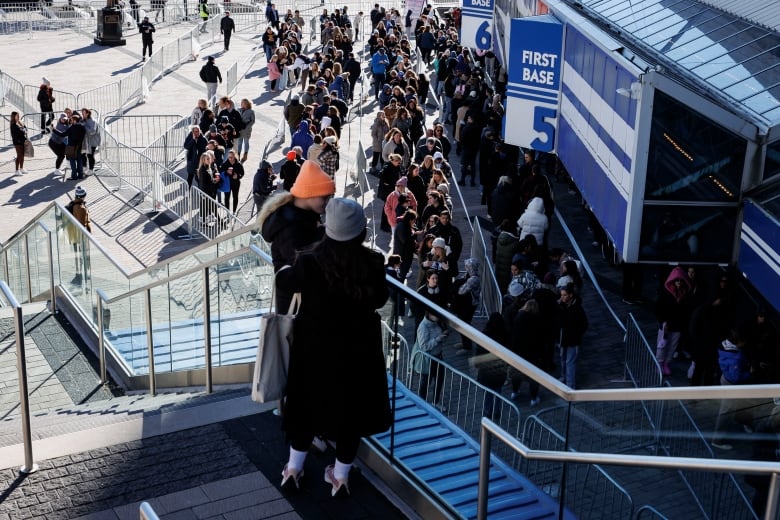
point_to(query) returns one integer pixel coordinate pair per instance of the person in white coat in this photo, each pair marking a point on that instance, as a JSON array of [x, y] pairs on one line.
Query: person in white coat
[[533, 221]]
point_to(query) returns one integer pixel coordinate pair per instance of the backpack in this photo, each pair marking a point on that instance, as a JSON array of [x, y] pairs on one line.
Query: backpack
[[70, 205]]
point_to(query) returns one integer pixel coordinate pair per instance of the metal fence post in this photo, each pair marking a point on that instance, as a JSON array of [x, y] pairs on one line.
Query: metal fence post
[[772, 498], [484, 473], [21, 368], [150, 341], [207, 328], [101, 337], [29, 275], [52, 289]]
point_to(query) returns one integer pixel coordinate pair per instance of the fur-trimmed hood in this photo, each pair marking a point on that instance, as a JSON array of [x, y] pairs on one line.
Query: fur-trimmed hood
[[272, 203]]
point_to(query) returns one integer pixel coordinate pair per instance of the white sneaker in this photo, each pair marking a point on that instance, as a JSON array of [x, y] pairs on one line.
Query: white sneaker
[[18, 173], [58, 173], [24, 172], [87, 173]]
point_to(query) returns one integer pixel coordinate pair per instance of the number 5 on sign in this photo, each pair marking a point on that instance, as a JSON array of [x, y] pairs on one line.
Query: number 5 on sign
[[484, 38], [544, 123]]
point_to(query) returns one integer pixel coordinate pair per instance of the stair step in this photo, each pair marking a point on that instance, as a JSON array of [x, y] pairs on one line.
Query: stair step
[[446, 459]]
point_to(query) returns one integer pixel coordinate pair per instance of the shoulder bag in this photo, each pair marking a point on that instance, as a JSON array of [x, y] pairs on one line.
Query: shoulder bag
[[273, 352], [29, 151]]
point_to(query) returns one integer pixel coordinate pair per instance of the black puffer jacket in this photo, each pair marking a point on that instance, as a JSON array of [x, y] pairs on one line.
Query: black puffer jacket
[[290, 229]]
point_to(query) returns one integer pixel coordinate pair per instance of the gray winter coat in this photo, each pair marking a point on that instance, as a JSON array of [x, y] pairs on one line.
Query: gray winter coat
[[92, 138]]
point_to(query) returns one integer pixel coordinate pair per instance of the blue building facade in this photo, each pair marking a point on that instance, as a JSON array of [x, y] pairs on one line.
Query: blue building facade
[[669, 124]]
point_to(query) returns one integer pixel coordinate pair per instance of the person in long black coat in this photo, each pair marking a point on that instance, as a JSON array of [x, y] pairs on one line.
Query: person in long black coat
[[337, 384]]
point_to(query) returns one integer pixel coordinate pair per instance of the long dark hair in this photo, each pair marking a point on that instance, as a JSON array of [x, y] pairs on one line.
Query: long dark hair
[[349, 266]]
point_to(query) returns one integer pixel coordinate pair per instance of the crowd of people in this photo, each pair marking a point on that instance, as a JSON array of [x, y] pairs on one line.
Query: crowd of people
[[416, 161]]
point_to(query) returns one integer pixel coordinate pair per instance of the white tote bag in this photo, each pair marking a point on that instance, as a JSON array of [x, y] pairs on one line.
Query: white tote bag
[[273, 353]]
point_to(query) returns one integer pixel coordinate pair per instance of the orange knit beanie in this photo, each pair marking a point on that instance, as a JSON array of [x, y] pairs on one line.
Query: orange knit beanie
[[312, 182]]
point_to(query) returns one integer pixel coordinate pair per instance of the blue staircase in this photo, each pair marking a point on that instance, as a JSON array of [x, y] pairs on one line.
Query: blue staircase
[[180, 346], [447, 460]]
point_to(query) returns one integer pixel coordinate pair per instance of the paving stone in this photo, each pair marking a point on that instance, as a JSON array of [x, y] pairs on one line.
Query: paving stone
[[266, 509], [103, 515], [235, 486]]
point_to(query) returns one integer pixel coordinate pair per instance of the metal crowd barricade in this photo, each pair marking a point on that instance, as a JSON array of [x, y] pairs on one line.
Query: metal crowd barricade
[[718, 495], [105, 99], [231, 79], [209, 217], [641, 365], [131, 87], [589, 487], [167, 148], [61, 100], [134, 131], [490, 295], [13, 93]]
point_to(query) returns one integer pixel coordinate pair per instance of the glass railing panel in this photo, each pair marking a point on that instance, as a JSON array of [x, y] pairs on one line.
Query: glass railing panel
[[184, 300], [81, 266], [172, 340], [126, 332], [243, 292], [39, 263], [16, 259]]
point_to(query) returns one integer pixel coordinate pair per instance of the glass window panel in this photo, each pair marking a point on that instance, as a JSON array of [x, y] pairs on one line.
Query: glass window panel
[[765, 102], [695, 27], [773, 115], [637, 13], [663, 36], [772, 163], [744, 90], [621, 10], [646, 24], [687, 233], [683, 52], [691, 158], [725, 30], [764, 68]]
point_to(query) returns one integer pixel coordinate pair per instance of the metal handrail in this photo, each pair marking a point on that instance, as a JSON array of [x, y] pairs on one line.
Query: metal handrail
[[490, 429], [21, 367], [570, 395], [186, 272], [147, 512]]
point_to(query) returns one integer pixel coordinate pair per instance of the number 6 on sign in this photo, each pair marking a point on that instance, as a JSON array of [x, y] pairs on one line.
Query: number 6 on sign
[[543, 126], [483, 36]]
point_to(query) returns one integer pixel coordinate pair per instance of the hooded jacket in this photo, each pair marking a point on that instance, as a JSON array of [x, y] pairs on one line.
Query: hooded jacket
[[533, 221], [672, 306], [379, 129], [303, 138], [473, 284], [733, 363], [507, 246], [288, 228]]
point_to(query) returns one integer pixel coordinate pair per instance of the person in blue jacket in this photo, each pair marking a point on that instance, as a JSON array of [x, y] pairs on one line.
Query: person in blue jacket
[[303, 138], [379, 63]]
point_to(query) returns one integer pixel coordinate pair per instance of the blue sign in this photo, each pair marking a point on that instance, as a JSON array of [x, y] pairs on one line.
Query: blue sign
[[534, 85], [476, 25]]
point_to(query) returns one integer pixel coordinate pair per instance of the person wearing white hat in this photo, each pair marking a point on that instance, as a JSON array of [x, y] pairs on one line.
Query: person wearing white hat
[[46, 100], [336, 377]]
